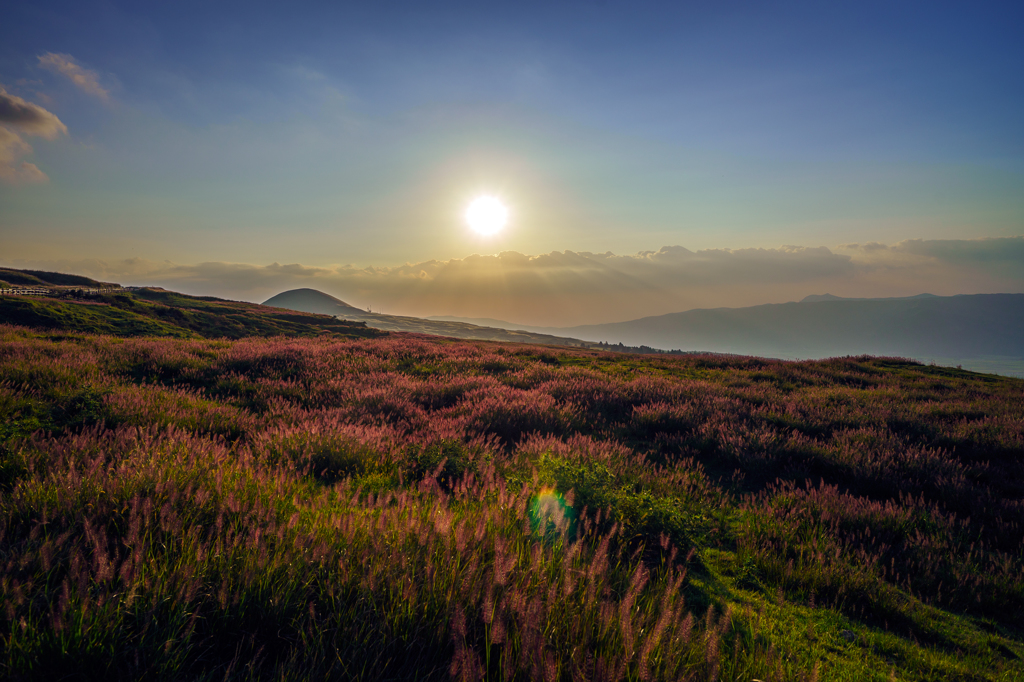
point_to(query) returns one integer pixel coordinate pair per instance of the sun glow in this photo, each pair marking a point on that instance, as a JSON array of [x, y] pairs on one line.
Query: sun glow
[[487, 215]]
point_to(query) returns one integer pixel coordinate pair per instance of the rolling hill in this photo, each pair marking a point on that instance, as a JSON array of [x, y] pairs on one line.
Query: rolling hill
[[313, 301]]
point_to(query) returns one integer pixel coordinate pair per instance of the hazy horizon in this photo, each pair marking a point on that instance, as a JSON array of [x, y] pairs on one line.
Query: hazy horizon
[[562, 289]]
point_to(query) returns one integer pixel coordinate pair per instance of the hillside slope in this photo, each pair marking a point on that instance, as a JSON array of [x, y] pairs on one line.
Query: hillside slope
[[311, 300], [33, 278], [157, 312]]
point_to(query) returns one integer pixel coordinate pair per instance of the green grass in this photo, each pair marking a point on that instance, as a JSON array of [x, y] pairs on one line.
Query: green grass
[[98, 318], [150, 312]]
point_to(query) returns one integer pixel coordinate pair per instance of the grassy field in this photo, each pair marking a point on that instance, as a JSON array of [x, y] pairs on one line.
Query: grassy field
[[156, 312], [412, 508]]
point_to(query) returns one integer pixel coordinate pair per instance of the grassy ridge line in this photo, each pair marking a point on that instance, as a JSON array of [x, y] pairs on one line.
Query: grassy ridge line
[[150, 312], [403, 508], [40, 277]]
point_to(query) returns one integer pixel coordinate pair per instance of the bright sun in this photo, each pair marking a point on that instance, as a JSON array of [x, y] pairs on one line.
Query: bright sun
[[487, 215]]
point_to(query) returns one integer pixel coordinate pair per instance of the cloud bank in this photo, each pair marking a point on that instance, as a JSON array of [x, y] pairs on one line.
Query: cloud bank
[[87, 81], [569, 288], [18, 116]]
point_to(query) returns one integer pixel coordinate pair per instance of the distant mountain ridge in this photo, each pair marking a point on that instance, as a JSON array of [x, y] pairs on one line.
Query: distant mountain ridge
[[503, 324], [965, 326], [982, 331], [817, 298]]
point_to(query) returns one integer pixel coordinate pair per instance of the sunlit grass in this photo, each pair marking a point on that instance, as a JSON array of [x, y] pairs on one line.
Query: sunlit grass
[[408, 509]]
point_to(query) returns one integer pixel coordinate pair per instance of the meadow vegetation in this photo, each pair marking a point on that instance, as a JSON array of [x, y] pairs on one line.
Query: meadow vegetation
[[416, 508], [157, 312]]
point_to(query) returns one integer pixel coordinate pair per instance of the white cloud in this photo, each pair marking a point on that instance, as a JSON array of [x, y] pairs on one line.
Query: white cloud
[[86, 80]]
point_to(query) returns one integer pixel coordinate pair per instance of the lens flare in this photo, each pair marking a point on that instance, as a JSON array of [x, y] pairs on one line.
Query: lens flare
[[548, 511]]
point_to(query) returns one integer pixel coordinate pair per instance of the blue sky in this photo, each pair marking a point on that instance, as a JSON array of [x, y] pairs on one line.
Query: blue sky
[[357, 132]]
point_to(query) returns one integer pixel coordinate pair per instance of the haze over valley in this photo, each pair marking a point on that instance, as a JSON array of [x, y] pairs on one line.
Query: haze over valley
[[984, 332]]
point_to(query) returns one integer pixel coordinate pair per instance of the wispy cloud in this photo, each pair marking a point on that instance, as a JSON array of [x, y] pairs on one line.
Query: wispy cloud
[[86, 80], [567, 288], [12, 148], [18, 116]]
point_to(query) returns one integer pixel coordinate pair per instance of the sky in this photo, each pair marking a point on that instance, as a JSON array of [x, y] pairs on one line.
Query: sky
[[653, 156]]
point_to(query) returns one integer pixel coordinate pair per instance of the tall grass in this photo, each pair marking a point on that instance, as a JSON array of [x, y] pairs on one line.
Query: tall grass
[[409, 508]]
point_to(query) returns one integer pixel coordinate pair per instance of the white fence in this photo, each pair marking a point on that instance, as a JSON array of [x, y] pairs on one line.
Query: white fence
[[24, 292], [33, 291]]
